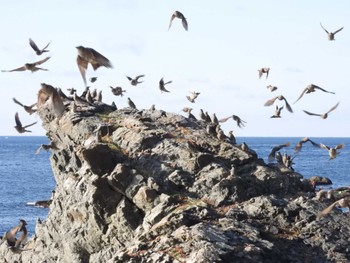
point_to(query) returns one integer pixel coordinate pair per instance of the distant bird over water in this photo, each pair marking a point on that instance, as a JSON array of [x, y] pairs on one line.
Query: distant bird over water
[[162, 85], [312, 88], [332, 151], [88, 55], [30, 66], [331, 34], [302, 141], [280, 97], [135, 81], [264, 71], [37, 50], [19, 127], [178, 14], [324, 115], [28, 109]]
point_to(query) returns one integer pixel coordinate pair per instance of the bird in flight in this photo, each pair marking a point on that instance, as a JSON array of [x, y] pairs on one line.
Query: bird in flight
[[332, 151], [331, 34], [28, 109], [237, 119], [178, 14], [37, 50], [30, 66], [135, 81], [277, 113], [271, 88], [117, 91], [302, 141], [312, 88], [324, 115], [264, 71], [280, 97], [89, 55], [162, 85], [275, 149], [19, 127], [193, 95]]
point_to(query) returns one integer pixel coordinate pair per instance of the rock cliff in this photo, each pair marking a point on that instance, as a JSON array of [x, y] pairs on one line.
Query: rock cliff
[[152, 186]]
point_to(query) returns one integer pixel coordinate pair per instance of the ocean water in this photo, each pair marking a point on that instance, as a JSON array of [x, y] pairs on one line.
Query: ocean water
[[27, 177]]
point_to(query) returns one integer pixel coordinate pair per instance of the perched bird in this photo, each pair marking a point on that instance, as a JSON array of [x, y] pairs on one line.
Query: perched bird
[[275, 149], [302, 141], [272, 88], [88, 55], [332, 151], [277, 113], [28, 109], [10, 236], [193, 95], [131, 104], [162, 85], [93, 79], [178, 14], [19, 127], [30, 66], [202, 115], [98, 97], [344, 202], [331, 34], [36, 49], [264, 71], [325, 115], [312, 88], [72, 91], [135, 81], [280, 97], [117, 91], [231, 137], [214, 119], [237, 119]]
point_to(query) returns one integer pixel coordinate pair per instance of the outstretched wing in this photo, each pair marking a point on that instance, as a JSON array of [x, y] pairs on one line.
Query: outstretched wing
[[317, 87], [340, 29], [82, 65], [324, 29], [270, 101], [333, 108], [18, 122], [41, 61], [310, 113], [16, 101], [33, 45], [301, 95], [99, 60]]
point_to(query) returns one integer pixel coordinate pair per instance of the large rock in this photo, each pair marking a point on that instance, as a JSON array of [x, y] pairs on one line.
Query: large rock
[[151, 186]]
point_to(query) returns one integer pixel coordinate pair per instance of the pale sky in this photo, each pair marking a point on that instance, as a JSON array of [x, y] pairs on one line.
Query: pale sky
[[219, 56]]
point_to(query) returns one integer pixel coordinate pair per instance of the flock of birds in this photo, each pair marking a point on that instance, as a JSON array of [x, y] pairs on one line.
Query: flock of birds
[[90, 56]]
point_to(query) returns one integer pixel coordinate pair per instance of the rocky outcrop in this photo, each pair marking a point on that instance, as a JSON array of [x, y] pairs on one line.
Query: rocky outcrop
[[152, 186]]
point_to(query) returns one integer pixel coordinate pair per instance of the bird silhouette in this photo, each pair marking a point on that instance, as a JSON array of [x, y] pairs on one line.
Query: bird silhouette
[[275, 149], [302, 141], [238, 120], [162, 85], [89, 55], [135, 81], [178, 14], [19, 127], [324, 115], [277, 113], [331, 34], [11, 236], [332, 151], [264, 71], [37, 50], [131, 104], [312, 88], [193, 95], [29, 109], [280, 97], [117, 91], [344, 202], [93, 79], [271, 88], [30, 66]]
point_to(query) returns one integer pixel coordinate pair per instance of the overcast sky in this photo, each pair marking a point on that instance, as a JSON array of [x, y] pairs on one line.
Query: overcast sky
[[219, 56]]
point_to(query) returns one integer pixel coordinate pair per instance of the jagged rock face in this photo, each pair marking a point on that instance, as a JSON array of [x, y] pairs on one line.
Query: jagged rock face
[[150, 186]]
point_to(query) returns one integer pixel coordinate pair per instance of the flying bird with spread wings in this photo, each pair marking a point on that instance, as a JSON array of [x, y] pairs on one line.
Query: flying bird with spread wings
[[162, 85], [135, 81], [324, 115], [238, 120], [37, 50], [280, 97], [275, 149], [89, 55], [179, 15], [30, 66], [331, 34], [29, 109], [19, 127], [332, 151], [302, 141], [312, 88], [264, 71]]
